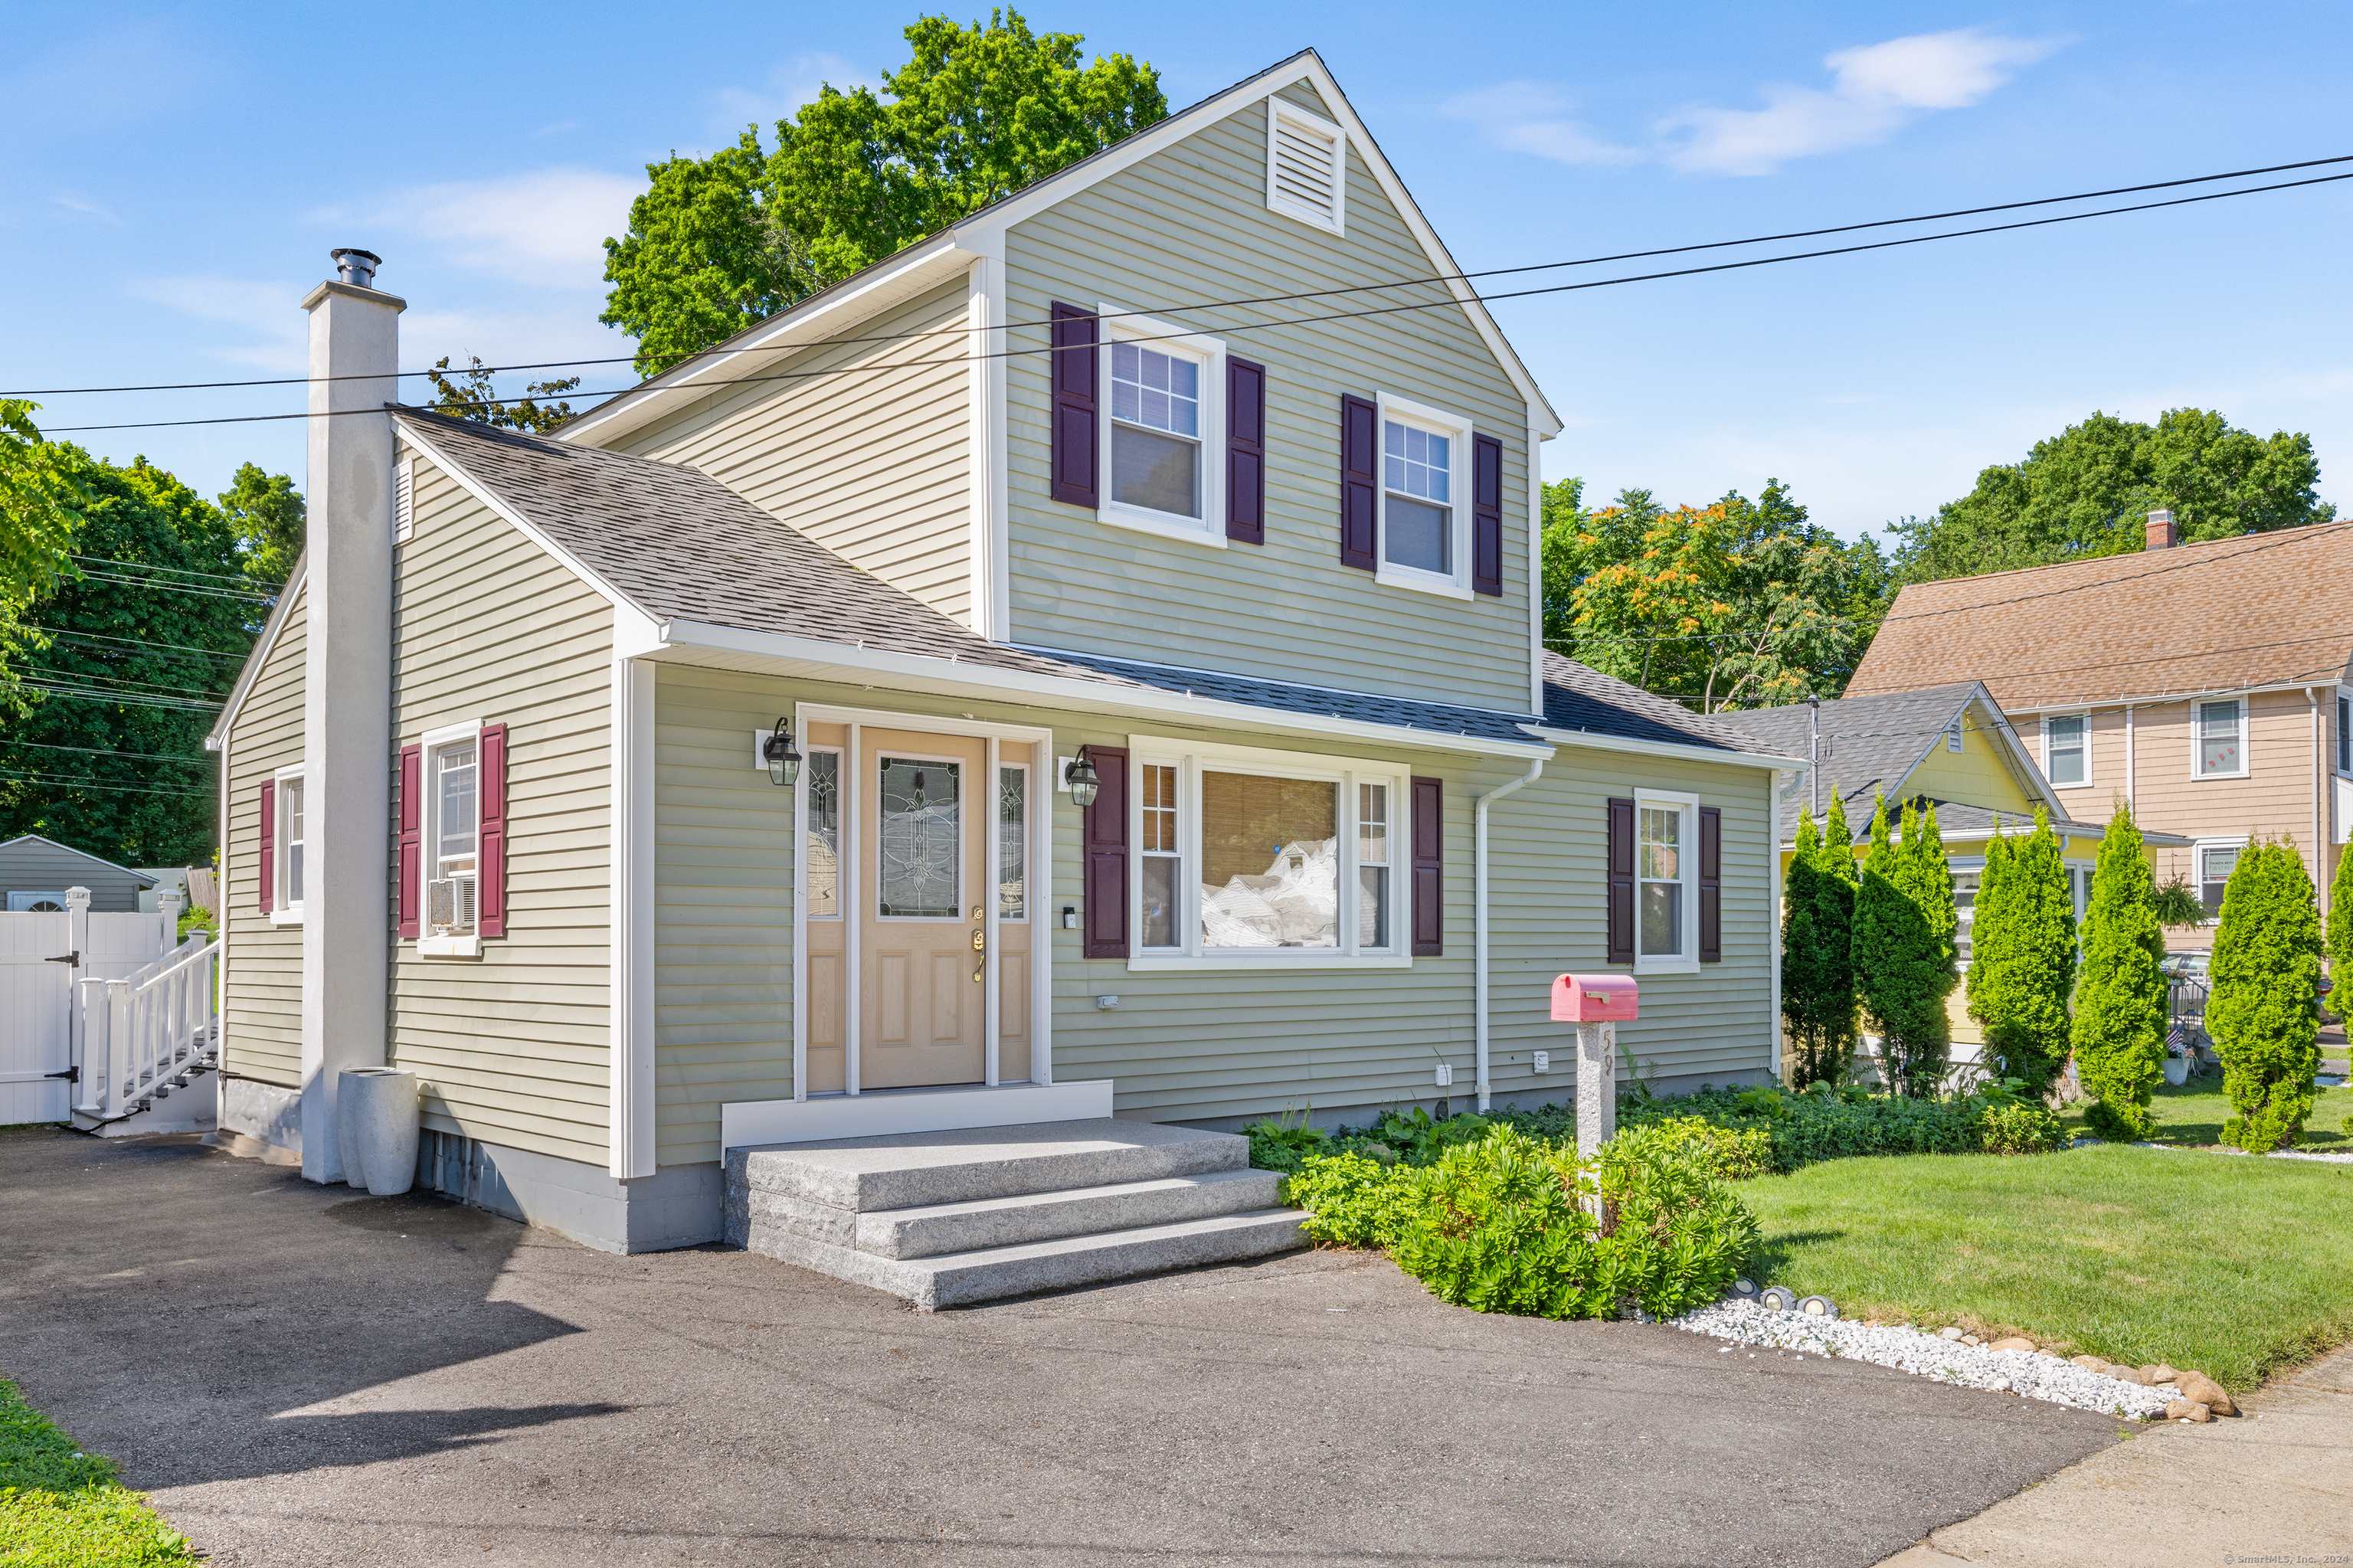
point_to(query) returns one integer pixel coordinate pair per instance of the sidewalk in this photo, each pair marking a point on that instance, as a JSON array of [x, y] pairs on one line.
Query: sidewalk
[[2274, 1485]]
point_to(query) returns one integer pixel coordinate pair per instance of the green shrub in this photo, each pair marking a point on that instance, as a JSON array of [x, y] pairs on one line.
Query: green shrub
[[1280, 1144], [1824, 1123], [1903, 930], [1818, 999], [2120, 1007], [1353, 1199], [2264, 1010], [2022, 954], [2020, 1126], [1727, 1154]]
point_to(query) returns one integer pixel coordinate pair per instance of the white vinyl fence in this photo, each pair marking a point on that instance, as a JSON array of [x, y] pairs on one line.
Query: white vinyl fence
[[41, 956]]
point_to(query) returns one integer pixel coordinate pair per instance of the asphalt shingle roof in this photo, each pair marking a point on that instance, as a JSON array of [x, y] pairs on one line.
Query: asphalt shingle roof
[[1868, 744], [678, 544]]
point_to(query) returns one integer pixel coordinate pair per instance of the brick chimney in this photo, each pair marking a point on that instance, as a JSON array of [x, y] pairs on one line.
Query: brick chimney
[[2161, 532], [346, 691]]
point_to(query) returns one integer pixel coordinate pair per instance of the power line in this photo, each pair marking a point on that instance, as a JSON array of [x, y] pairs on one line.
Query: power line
[[154, 583], [178, 571], [93, 679], [1448, 303], [124, 699], [1262, 300], [63, 781], [107, 751], [137, 642]]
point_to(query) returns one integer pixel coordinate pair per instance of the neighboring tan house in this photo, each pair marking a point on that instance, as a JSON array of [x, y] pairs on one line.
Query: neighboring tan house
[[2211, 685], [35, 873], [1946, 743], [1266, 594]]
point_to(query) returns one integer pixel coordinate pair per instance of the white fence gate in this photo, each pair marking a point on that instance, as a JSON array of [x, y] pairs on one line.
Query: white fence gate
[[40, 960]]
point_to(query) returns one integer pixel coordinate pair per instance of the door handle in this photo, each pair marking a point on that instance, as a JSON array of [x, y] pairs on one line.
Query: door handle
[[980, 941]]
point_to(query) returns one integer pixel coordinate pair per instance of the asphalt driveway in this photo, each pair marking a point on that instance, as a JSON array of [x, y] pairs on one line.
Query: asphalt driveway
[[305, 1376]]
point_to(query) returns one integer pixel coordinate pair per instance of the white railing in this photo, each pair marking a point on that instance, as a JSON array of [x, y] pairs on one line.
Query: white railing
[[151, 1032]]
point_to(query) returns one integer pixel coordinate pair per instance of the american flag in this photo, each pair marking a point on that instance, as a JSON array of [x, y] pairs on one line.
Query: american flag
[[2179, 1036]]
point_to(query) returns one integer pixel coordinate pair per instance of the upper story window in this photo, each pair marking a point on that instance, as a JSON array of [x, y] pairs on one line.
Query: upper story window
[[1306, 166], [1424, 526], [2066, 755], [2221, 740], [1155, 429], [2344, 734]]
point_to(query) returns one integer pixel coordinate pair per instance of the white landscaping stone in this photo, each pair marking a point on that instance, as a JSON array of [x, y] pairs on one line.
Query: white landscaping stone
[[2024, 1373]]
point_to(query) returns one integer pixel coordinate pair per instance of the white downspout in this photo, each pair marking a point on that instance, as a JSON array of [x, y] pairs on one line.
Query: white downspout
[[2319, 868], [1479, 905]]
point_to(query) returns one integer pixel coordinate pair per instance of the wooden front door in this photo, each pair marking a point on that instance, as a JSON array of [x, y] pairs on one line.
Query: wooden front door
[[923, 804]]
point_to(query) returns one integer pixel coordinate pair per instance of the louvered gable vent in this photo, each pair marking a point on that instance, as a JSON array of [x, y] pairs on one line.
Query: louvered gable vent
[[1306, 166]]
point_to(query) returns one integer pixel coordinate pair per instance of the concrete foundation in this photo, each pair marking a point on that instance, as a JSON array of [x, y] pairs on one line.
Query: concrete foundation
[[263, 1112], [678, 1205]]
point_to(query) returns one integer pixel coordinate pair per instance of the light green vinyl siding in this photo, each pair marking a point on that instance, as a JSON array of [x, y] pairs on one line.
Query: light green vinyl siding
[[262, 1020], [1190, 222], [513, 1047], [867, 455], [1198, 1045]]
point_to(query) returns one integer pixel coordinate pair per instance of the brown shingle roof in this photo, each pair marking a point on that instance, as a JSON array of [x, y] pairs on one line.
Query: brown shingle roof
[[2255, 610]]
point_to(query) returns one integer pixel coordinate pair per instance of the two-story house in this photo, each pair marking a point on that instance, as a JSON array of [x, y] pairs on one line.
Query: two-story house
[[2209, 685], [1008, 686]]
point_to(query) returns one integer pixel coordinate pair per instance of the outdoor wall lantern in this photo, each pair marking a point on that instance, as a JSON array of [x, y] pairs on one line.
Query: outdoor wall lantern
[[783, 762], [1081, 777]]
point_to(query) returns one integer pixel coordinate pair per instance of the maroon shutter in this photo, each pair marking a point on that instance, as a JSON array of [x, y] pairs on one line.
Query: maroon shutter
[[269, 843], [1245, 452], [1075, 367], [1360, 460], [1621, 914], [1429, 868], [491, 886], [1711, 884], [408, 806], [1106, 831], [1486, 514]]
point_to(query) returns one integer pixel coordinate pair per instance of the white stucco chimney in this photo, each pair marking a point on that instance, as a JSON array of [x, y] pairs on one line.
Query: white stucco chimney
[[2161, 532], [346, 692]]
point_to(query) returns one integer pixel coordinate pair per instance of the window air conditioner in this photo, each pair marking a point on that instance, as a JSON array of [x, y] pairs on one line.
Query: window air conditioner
[[449, 906]]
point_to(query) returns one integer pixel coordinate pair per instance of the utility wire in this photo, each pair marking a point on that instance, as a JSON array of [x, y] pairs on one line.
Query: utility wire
[[158, 584], [1448, 303], [109, 751], [89, 679], [1268, 299], [178, 571], [137, 642], [60, 780], [125, 699]]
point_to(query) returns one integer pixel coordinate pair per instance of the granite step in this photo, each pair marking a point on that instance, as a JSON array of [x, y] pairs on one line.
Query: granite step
[[937, 1229], [993, 1274], [917, 1169]]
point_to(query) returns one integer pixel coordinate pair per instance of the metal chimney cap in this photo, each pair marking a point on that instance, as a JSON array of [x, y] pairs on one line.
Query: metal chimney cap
[[356, 267]]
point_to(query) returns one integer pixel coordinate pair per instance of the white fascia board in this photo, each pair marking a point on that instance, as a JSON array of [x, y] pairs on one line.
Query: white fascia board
[[1587, 739], [812, 323], [1306, 66], [246, 676], [2158, 699], [807, 658], [634, 631], [2020, 761]]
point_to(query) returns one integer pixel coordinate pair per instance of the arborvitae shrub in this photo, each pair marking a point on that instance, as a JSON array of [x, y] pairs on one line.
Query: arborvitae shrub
[[2022, 956], [2261, 1009], [1903, 928], [2120, 1015], [2340, 935], [1817, 1004]]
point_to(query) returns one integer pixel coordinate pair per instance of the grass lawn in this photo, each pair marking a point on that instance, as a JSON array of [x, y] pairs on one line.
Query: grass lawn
[[62, 1509], [2231, 1266], [2193, 1114]]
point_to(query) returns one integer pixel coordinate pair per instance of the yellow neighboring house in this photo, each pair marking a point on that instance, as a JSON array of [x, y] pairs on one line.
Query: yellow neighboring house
[[1946, 743]]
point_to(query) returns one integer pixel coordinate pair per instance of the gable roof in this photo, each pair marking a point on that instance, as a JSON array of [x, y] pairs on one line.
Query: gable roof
[[696, 560], [2264, 609], [146, 878], [1875, 744], [931, 260]]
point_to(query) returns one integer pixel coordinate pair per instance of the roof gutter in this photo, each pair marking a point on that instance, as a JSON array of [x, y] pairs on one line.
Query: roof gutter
[[1665, 749], [1061, 691], [1479, 905], [2154, 699]]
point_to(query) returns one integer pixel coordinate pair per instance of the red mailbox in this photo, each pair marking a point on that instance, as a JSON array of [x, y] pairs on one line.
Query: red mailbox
[[1594, 999]]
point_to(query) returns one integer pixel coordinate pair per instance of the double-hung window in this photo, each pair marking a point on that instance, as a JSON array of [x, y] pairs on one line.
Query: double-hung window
[[2066, 749], [1665, 890], [1424, 513], [2221, 738], [2215, 863], [2344, 733], [1163, 403], [453, 836], [1248, 858], [287, 870]]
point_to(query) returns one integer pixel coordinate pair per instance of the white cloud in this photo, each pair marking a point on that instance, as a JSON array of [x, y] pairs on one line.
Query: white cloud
[[271, 312], [787, 87], [1874, 91], [1529, 117], [545, 228], [73, 202]]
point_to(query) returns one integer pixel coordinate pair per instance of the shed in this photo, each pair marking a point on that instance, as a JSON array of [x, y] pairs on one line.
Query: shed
[[35, 872]]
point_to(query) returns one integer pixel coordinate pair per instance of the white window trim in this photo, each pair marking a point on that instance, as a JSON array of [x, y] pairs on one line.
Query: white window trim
[[1687, 962], [1209, 528], [428, 836], [2336, 749], [1457, 429], [1190, 759], [1280, 109], [283, 913], [2197, 737], [2197, 848], [2085, 783]]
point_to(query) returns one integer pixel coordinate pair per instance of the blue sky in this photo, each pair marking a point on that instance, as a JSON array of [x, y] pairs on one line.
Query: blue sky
[[178, 174]]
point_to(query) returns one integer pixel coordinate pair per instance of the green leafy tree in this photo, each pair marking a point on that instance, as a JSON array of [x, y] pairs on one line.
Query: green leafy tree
[[1903, 930], [2085, 492], [2262, 1007], [142, 644], [977, 112], [39, 511], [268, 513], [2120, 1009], [1818, 999], [2022, 955], [470, 395]]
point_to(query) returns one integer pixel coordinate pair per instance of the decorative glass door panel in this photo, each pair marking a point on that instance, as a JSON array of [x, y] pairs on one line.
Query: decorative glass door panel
[[922, 938]]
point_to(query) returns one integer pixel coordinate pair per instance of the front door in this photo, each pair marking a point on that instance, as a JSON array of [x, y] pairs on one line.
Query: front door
[[925, 801]]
